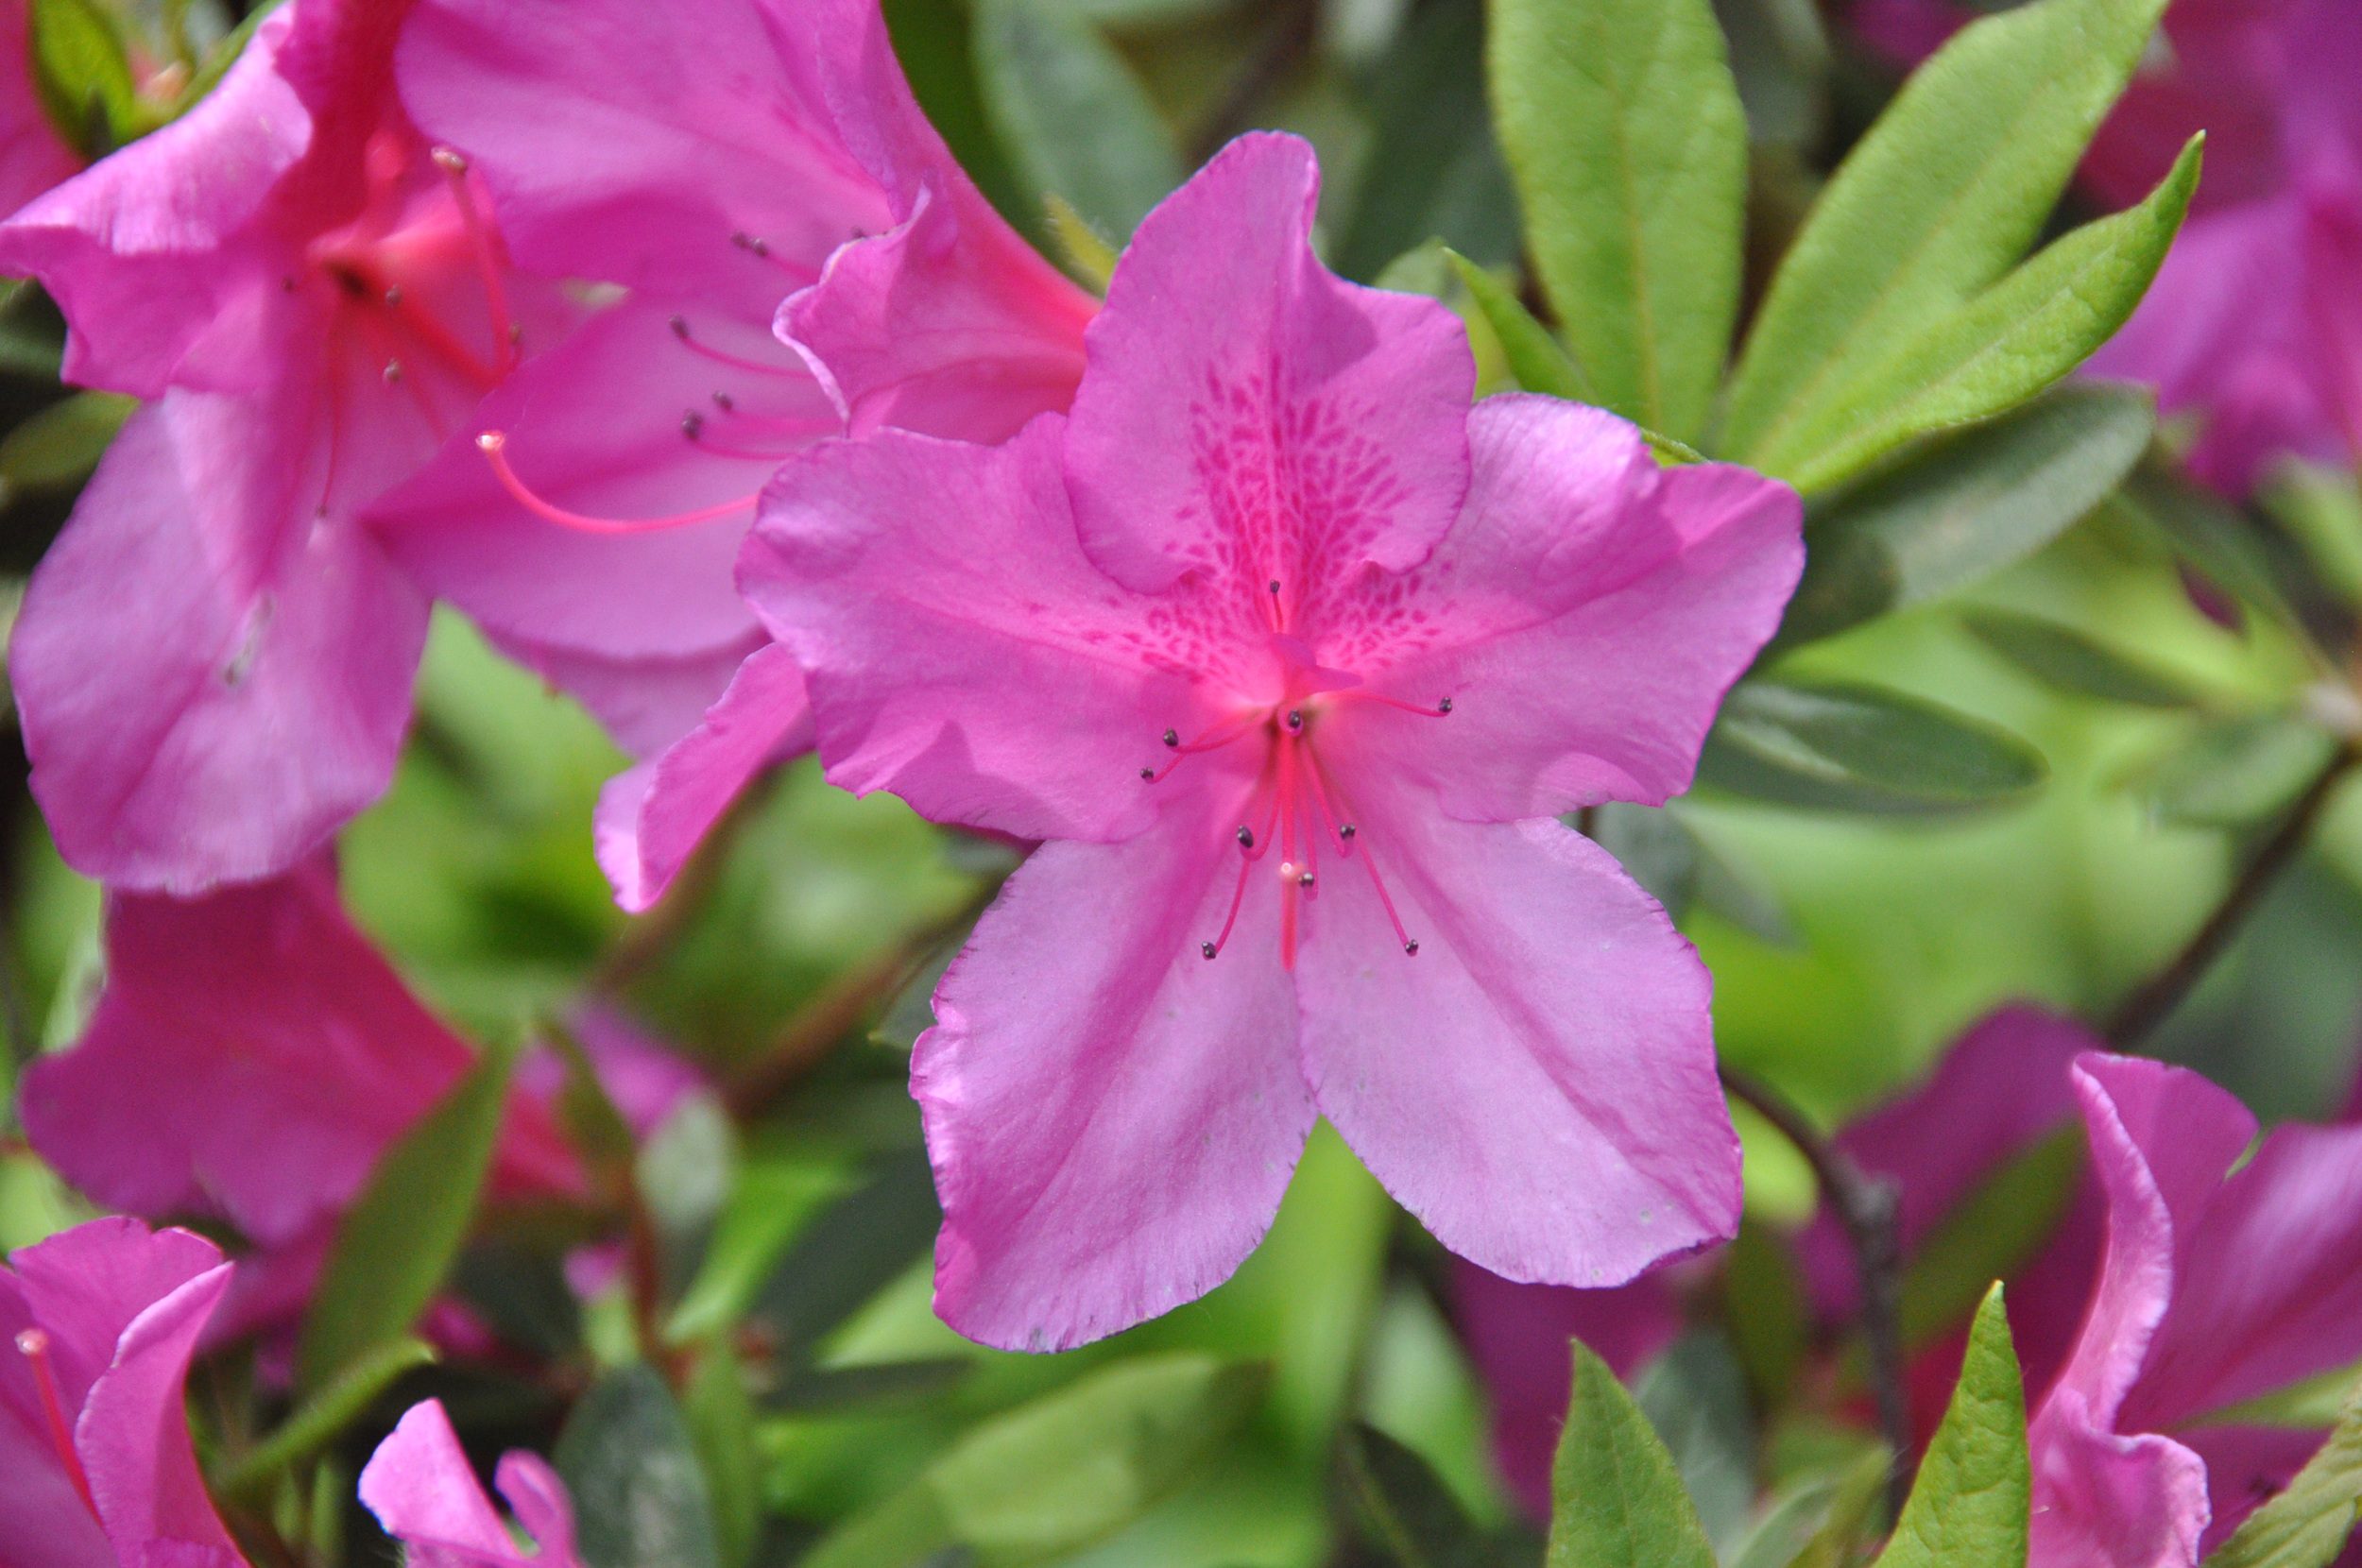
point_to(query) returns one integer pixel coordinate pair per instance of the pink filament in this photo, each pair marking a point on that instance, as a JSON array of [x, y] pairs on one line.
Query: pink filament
[[34, 1345], [488, 264], [494, 445], [721, 356]]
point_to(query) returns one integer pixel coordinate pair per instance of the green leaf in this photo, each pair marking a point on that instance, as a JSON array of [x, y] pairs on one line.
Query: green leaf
[[1938, 201], [1763, 1305], [1993, 1232], [868, 1385], [397, 1242], [1534, 356], [1853, 1506], [61, 443], [1780, 55], [1617, 1500], [853, 1249], [1845, 747], [1628, 145], [2209, 534], [2001, 348], [83, 74], [1075, 121], [2061, 656], [1966, 506], [1405, 1509], [319, 1420], [2308, 1524], [2233, 771], [772, 1202], [1969, 1508], [1055, 1476], [721, 1421], [1695, 1395], [640, 1497]]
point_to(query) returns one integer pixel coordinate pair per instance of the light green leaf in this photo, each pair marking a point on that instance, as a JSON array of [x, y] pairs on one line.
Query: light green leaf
[[2061, 657], [1087, 255], [83, 74], [319, 1420], [2232, 772], [1534, 356], [1845, 747], [868, 1385], [2001, 348], [1055, 1476], [1970, 1505], [1628, 145], [1838, 1542], [1763, 1302], [1075, 121], [1938, 201], [772, 1202], [721, 1423], [1695, 1395], [1617, 1500], [2308, 1524], [1965, 507], [398, 1240], [642, 1499], [1993, 1233], [61, 443]]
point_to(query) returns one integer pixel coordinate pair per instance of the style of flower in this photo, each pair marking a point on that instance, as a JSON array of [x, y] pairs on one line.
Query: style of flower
[[2226, 1278], [1293, 659], [424, 1492], [798, 181], [97, 1326]]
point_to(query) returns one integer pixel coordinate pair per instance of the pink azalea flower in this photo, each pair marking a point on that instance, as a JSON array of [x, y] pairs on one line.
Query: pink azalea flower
[[33, 157], [423, 1492], [97, 1468], [2226, 1278], [799, 170], [1293, 657], [214, 662], [266, 1007]]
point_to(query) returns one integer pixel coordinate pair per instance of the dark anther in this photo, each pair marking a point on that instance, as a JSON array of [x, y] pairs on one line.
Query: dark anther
[[1246, 836], [1444, 706], [1274, 584], [743, 240], [1173, 738], [1207, 948], [693, 424], [680, 327], [1410, 949], [1295, 719], [1149, 774], [1346, 831], [761, 246], [723, 401], [1305, 881], [393, 296]]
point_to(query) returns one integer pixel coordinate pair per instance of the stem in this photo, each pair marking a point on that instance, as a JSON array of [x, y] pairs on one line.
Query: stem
[[2140, 1013], [1867, 1209]]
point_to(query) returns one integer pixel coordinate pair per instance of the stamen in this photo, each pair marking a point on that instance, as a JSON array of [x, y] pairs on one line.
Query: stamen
[[1213, 740], [1278, 615], [1173, 738], [494, 444], [693, 425], [1253, 846], [487, 262], [1246, 836], [1321, 790], [1440, 710], [1288, 887], [34, 1345], [720, 356]]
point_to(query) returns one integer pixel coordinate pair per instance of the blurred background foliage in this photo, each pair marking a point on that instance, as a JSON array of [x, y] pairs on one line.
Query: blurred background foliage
[[794, 1208]]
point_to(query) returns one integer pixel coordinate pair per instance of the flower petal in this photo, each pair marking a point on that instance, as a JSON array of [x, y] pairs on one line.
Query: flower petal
[[2102, 1500], [1537, 1084], [1112, 1119], [1251, 415], [133, 1436], [426, 1495]]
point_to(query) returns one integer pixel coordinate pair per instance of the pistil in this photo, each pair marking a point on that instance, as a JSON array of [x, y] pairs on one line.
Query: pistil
[[33, 1344]]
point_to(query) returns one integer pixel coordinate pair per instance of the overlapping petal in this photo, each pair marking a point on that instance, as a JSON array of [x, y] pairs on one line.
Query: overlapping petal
[[423, 1490]]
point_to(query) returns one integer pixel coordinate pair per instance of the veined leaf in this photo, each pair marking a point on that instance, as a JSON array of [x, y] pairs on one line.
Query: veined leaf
[[1617, 1499], [1969, 1509], [1073, 118], [2061, 657], [2308, 1524], [1629, 149], [1945, 193], [1844, 747]]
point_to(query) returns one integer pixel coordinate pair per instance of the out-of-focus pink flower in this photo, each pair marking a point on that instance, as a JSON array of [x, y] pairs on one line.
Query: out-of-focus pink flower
[[1292, 656], [796, 180], [33, 157], [2225, 1278], [2254, 327], [423, 1492], [214, 662], [97, 1469], [251, 1057]]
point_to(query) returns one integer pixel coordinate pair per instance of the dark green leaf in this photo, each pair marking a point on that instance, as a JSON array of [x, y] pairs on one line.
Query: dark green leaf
[[2232, 772], [721, 1420], [1780, 55], [1844, 747], [1695, 1395], [1942, 197], [772, 1200], [1073, 118], [1969, 1508], [2061, 657], [2309, 1525], [1628, 145], [1994, 1231], [2209, 534], [1966, 506], [934, 43], [1654, 847], [319, 1420], [61, 443], [398, 1240], [1763, 1305], [1405, 1509], [851, 1251], [1616, 1497], [1838, 1542], [641, 1498]]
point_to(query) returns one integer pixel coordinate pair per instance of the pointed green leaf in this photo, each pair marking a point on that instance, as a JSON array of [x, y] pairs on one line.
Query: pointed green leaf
[[1405, 1507], [1629, 149], [642, 1499], [2234, 770], [1695, 1395], [321, 1418], [1965, 507], [1075, 121], [721, 1421], [83, 74], [2061, 657], [2001, 348], [1534, 356], [398, 1240], [61, 443], [2308, 1524], [1942, 197], [1617, 1499], [1970, 1505], [1844, 747], [2209, 534], [1838, 1542]]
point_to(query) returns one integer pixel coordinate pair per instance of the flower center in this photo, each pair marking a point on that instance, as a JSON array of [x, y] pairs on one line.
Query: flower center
[[34, 1345]]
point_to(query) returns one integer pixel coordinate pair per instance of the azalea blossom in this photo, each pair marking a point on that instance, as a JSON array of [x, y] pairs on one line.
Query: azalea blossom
[[589, 516], [96, 1328], [1293, 659], [423, 1492], [2227, 1276]]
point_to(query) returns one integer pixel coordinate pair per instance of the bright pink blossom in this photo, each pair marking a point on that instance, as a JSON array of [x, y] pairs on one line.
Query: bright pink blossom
[[213, 663], [1293, 657], [96, 1329], [423, 1492], [2225, 1278], [33, 157], [715, 158]]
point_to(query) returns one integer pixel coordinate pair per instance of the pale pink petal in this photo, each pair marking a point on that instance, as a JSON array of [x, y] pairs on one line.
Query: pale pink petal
[[212, 677], [1112, 1119], [539, 1499], [426, 1495], [1251, 415], [1585, 616], [133, 1433], [651, 818], [1538, 1084], [2106, 1500], [957, 647], [86, 1286]]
